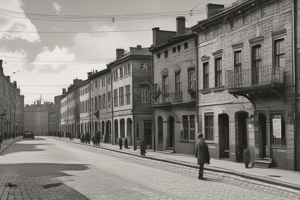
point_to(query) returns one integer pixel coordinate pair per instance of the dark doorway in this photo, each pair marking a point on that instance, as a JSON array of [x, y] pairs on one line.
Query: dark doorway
[[262, 127], [160, 133], [242, 135], [129, 131], [224, 135], [116, 132], [148, 133], [122, 128], [170, 141], [107, 132]]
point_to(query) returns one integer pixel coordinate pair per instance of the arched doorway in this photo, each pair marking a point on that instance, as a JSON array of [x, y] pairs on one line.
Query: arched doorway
[[171, 130], [122, 128], [107, 132], [160, 136], [223, 122], [102, 128], [242, 138], [116, 131], [129, 131]]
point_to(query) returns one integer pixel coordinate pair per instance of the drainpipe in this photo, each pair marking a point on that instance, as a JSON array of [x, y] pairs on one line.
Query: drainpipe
[[295, 78]]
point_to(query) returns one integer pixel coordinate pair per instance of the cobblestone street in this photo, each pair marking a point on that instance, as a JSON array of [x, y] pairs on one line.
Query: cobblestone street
[[46, 168]]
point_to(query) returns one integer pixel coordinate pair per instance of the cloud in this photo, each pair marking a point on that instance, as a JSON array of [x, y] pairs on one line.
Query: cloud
[[11, 23], [57, 7], [51, 61]]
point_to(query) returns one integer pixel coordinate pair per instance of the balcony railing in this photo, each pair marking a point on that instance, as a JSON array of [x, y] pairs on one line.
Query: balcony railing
[[259, 76], [172, 97]]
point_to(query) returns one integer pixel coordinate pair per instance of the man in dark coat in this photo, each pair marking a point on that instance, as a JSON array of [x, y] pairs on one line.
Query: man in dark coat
[[246, 157], [202, 154], [126, 143], [98, 138], [143, 146], [87, 138], [120, 143]]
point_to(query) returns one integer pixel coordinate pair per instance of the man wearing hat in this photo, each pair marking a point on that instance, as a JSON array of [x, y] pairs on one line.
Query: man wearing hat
[[202, 154]]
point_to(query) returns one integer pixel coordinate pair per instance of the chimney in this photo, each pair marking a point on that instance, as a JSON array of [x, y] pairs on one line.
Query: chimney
[[139, 46], [64, 91], [89, 74], [180, 25], [120, 53], [155, 35], [213, 9], [15, 84], [1, 68], [8, 77]]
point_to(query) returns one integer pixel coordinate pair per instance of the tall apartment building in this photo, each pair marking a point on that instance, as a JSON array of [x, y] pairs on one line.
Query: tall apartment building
[[37, 117], [174, 93], [131, 96], [248, 88], [11, 106]]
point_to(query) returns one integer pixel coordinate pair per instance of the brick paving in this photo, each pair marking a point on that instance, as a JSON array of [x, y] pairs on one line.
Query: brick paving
[[51, 169]]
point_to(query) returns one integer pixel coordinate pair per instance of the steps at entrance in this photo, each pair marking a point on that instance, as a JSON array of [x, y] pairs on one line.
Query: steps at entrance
[[170, 150], [263, 163]]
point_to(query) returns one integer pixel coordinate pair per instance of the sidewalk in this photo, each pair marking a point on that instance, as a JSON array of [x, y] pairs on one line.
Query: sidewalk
[[6, 143], [279, 177]]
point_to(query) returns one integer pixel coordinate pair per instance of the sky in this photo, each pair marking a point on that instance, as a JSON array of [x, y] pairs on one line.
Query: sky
[[45, 44]]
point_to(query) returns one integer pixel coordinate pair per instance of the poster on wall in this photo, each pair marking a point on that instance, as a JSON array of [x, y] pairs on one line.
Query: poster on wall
[[276, 121]]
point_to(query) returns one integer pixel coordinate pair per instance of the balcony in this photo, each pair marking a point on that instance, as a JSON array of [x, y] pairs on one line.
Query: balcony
[[172, 97], [260, 80]]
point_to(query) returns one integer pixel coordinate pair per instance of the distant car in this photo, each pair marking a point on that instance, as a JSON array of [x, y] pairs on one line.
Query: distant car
[[28, 134]]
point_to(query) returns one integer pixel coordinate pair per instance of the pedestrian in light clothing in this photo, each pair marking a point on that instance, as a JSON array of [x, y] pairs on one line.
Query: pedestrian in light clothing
[[202, 154], [142, 146], [246, 157]]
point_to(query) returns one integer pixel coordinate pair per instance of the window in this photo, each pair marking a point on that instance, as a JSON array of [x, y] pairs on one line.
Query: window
[[177, 83], [218, 72], [116, 74], [145, 96], [121, 72], [125, 70], [108, 99], [237, 68], [205, 76], [103, 82], [178, 48], [186, 45], [278, 129], [209, 127], [96, 84], [115, 97], [158, 56], [96, 102], [100, 102], [256, 63], [103, 100], [92, 104], [121, 94], [188, 132], [165, 85], [127, 87], [174, 49], [191, 79], [144, 67], [279, 53], [215, 32], [128, 69], [166, 54]]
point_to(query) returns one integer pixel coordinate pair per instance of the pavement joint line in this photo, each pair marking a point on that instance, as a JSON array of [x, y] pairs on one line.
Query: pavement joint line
[[224, 172]]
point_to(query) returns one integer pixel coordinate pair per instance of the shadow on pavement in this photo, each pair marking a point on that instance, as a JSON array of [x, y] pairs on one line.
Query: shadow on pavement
[[45, 179], [22, 148]]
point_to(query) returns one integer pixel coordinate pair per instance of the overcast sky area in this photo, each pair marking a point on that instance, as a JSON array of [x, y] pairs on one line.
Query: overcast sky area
[[48, 43]]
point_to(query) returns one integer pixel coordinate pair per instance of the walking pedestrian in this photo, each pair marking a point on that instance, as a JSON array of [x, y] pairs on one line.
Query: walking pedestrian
[[94, 139], [120, 143], [98, 138], [87, 138], [202, 154], [246, 157], [142, 146], [1, 139]]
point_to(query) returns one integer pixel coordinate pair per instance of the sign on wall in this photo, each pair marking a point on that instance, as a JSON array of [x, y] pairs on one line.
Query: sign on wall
[[276, 121]]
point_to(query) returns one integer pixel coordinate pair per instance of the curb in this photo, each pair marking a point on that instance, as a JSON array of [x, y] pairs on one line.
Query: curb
[[240, 174], [1, 151]]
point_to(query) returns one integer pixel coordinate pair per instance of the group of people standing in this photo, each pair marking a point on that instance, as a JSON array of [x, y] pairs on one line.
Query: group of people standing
[[86, 138]]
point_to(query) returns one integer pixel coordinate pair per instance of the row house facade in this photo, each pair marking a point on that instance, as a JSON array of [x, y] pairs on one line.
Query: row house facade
[[11, 106], [101, 106], [70, 116], [85, 111], [174, 88], [131, 91], [247, 81], [37, 117]]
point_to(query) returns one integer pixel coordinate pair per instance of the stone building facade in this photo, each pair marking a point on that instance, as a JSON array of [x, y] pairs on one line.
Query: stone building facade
[[174, 93], [246, 87]]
